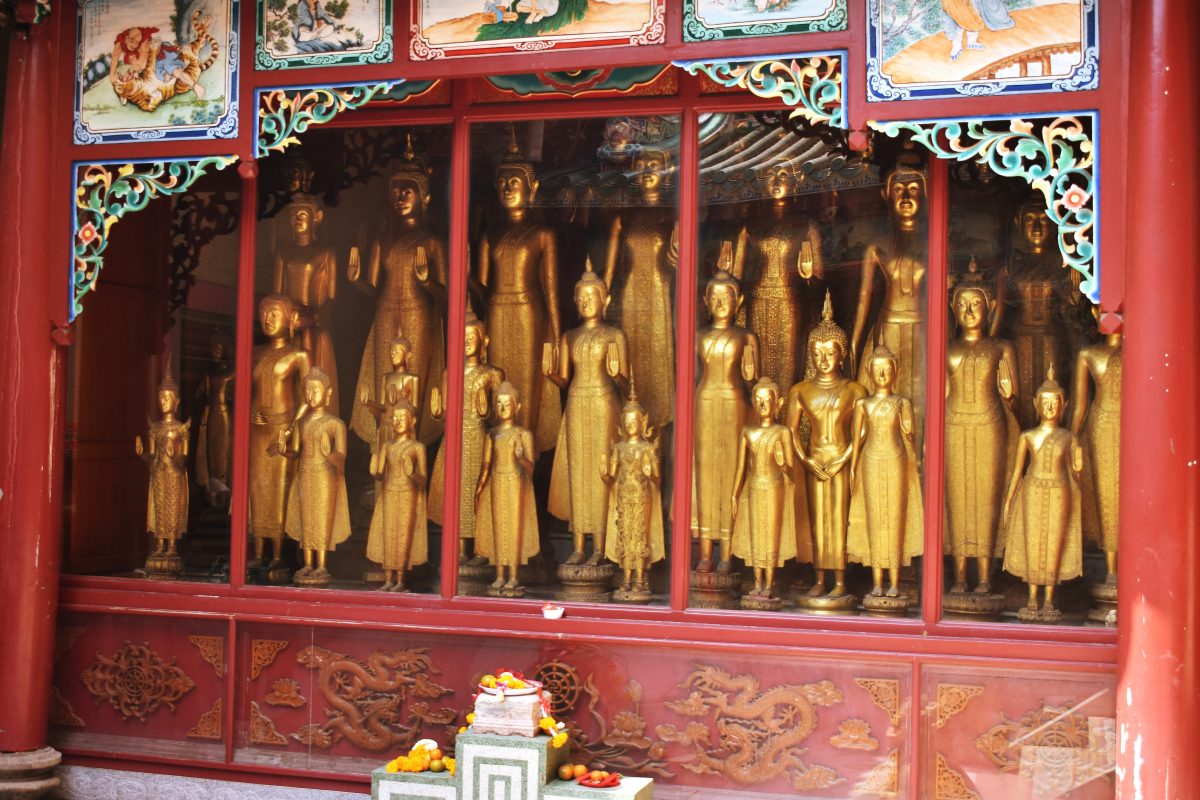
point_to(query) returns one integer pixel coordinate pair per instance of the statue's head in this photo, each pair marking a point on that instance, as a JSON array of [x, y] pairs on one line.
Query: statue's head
[[1034, 223], [591, 294], [475, 338], [1050, 400], [827, 344], [398, 350], [218, 347], [516, 181], [404, 417], [780, 180], [277, 315], [304, 215], [650, 167], [766, 398], [298, 175], [882, 367], [971, 300], [904, 191], [408, 187], [507, 402], [635, 422], [317, 388], [168, 390], [722, 296]]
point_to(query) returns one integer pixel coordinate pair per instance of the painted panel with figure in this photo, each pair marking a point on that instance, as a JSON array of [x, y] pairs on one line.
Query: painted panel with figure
[[447, 28], [312, 33], [719, 19], [947, 48], [156, 69]]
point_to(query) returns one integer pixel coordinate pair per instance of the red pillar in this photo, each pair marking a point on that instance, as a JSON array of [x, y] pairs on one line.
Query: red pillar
[[1158, 695], [31, 413]]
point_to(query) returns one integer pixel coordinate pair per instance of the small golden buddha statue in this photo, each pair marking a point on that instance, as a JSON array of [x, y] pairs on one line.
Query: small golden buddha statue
[[1042, 508], [764, 534], [306, 271], [826, 400], [166, 451], [635, 539], [593, 361], [887, 520], [518, 266], [900, 324], [980, 438], [279, 368], [506, 526], [318, 515], [408, 268], [214, 445], [1035, 324], [480, 381], [1098, 417], [728, 363], [643, 254], [397, 385], [784, 277], [399, 538]]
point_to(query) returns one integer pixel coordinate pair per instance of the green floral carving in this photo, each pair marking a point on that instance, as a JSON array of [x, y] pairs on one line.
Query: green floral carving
[[812, 83], [283, 114]]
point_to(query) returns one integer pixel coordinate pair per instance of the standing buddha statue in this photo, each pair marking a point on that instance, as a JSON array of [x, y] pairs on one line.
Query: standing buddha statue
[[826, 400], [1042, 509], [900, 324], [480, 381], [593, 360], [166, 451], [398, 539], [518, 266], [643, 254], [408, 269], [887, 520], [785, 277], [397, 385], [279, 367], [980, 438], [318, 515], [214, 445]]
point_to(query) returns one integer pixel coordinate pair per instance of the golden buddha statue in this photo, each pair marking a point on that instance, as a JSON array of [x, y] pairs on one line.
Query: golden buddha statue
[[399, 539], [306, 272], [1098, 417], [593, 360], [214, 445], [826, 400], [643, 254], [635, 538], [397, 385], [480, 381], [506, 526], [318, 515], [764, 533], [887, 520], [408, 268], [980, 438], [784, 279], [1042, 509], [279, 368], [900, 324], [1035, 326], [728, 363], [518, 267], [166, 451]]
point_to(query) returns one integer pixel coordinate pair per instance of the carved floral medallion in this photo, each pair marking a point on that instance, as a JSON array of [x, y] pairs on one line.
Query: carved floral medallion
[[136, 681]]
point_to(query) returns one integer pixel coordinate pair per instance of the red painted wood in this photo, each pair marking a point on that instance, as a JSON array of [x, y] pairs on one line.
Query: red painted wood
[[935, 383], [247, 321], [32, 374], [1158, 703]]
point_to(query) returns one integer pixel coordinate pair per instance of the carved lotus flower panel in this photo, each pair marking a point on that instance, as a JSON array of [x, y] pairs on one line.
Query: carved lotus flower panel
[[136, 681]]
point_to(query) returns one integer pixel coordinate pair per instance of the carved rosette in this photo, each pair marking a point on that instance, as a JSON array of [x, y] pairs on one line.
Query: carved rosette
[[1049, 726], [813, 84], [284, 114], [136, 681], [885, 694], [854, 734], [103, 196], [286, 692], [263, 653], [952, 699], [212, 650], [209, 724], [883, 779], [950, 784], [1054, 155]]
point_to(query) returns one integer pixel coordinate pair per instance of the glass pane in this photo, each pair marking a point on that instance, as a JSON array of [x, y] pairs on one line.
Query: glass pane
[[810, 392], [573, 485], [351, 276], [1032, 418], [150, 394]]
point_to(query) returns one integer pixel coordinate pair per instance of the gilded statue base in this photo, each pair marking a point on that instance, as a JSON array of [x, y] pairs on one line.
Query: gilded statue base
[[277, 576], [973, 604], [586, 583], [824, 602], [633, 596], [757, 602], [715, 589], [882, 604], [1104, 597], [315, 578], [506, 591], [1044, 616], [473, 581], [164, 567]]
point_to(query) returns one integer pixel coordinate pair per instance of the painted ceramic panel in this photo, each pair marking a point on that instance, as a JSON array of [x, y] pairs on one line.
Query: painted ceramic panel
[[312, 33], [447, 28], [156, 69], [719, 19], [948, 48]]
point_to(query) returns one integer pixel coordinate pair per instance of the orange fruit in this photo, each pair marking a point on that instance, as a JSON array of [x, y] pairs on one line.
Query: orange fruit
[[596, 775], [566, 772], [580, 770], [435, 754], [437, 765]]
